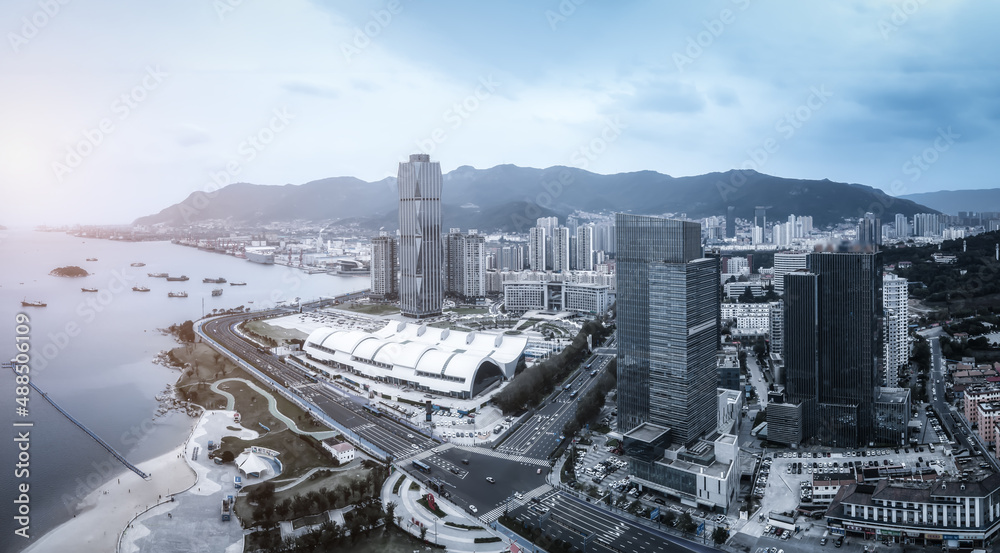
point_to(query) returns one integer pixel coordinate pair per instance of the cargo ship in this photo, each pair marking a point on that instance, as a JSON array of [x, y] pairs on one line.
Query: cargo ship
[[181, 278], [91, 259], [88, 289], [157, 275], [237, 284], [217, 292], [140, 289], [219, 280], [137, 265], [177, 294], [25, 303]]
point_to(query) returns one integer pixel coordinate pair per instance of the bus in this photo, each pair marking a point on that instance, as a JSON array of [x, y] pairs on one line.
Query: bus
[[572, 394], [373, 410], [422, 467]]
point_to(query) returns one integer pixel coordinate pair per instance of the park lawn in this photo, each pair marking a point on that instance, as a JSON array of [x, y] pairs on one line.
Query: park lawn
[[278, 333], [370, 308]]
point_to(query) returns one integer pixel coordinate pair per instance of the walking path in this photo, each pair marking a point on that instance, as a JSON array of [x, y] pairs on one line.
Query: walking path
[[272, 406]]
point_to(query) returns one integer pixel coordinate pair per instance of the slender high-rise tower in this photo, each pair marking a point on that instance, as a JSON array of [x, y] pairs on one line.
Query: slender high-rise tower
[[384, 266], [421, 288], [668, 309]]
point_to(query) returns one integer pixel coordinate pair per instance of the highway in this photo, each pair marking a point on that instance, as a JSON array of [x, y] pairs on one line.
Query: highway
[[540, 435], [390, 436]]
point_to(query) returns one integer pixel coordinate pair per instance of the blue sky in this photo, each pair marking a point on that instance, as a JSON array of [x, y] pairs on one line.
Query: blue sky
[[115, 110]]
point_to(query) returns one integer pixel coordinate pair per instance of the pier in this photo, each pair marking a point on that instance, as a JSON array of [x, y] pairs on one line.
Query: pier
[[96, 438]]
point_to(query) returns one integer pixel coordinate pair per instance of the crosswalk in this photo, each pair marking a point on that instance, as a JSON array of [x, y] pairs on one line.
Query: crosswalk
[[515, 503], [499, 455]]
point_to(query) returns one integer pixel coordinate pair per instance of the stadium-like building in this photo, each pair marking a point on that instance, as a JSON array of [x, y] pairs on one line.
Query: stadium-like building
[[436, 360]]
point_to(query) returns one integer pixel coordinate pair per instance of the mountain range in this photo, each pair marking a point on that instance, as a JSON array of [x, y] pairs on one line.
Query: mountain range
[[510, 198], [953, 201]]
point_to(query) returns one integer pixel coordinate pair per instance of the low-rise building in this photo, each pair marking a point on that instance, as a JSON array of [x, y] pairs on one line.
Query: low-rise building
[[705, 475], [948, 512], [342, 451]]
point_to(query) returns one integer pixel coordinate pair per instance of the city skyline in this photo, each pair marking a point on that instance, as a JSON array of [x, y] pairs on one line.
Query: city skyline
[[114, 113]]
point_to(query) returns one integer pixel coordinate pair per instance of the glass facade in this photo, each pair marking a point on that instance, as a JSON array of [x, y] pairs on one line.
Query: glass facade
[[421, 287], [833, 345], [668, 304]]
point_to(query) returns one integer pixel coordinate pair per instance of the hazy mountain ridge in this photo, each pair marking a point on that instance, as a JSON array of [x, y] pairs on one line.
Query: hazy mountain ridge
[[953, 201], [508, 197]]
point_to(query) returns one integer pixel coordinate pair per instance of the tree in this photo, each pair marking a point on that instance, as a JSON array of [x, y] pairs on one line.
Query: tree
[[227, 457], [720, 535], [390, 512], [686, 523], [423, 533]]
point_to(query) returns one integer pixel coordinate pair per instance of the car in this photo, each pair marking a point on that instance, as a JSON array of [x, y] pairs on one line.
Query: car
[[409, 436], [518, 495], [465, 461], [415, 446], [659, 501], [822, 541], [454, 470], [839, 542], [491, 480], [473, 509]]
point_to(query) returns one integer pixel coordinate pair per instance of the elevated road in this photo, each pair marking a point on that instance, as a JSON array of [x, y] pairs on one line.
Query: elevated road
[[392, 437]]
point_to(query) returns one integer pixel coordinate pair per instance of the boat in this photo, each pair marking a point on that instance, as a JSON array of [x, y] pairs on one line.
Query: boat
[[217, 292], [138, 265], [88, 289], [181, 278], [91, 259], [237, 284], [177, 294], [140, 289], [157, 275], [219, 280], [25, 303]]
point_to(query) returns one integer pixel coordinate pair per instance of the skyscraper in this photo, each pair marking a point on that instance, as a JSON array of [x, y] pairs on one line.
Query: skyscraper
[[560, 249], [896, 306], [473, 266], [870, 230], [784, 263], [731, 222], [384, 267], [453, 261], [536, 248], [902, 228], [668, 309], [585, 248], [834, 344], [421, 286]]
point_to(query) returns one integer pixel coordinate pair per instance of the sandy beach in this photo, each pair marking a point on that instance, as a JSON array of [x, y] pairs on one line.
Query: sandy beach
[[108, 509]]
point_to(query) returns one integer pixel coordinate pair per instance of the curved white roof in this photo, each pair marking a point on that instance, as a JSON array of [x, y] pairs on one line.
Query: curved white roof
[[409, 347]]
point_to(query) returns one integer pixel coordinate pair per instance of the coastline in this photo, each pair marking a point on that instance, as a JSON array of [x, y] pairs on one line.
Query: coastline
[[106, 511]]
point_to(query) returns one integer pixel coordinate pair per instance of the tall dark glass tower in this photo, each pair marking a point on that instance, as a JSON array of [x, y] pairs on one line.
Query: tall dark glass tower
[[667, 323], [833, 344], [421, 290]]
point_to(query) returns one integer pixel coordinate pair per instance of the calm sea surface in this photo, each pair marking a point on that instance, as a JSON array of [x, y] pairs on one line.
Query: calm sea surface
[[93, 353]]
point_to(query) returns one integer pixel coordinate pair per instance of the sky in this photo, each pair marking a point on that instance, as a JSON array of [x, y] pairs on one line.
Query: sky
[[114, 110]]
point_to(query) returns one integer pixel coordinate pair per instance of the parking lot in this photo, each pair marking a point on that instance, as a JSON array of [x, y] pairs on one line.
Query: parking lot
[[785, 476]]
